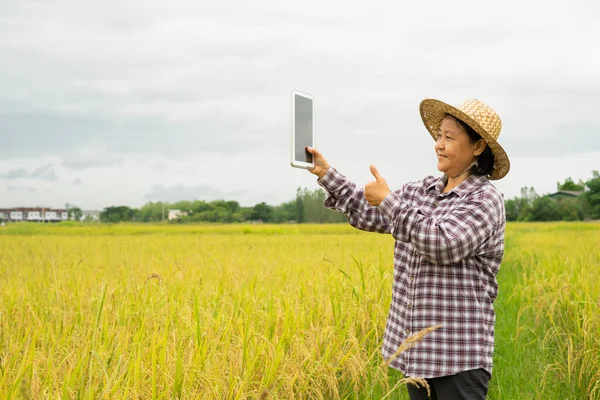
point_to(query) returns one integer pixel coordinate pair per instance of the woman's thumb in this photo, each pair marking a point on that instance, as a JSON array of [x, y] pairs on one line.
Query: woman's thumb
[[375, 172]]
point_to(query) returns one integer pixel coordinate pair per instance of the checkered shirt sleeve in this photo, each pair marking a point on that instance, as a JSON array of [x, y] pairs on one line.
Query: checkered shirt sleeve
[[443, 241], [343, 195]]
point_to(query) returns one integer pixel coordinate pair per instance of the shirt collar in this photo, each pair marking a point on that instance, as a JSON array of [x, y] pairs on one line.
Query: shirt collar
[[467, 186]]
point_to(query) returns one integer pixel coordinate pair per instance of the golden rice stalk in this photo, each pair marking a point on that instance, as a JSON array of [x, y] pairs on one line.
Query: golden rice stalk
[[411, 341]]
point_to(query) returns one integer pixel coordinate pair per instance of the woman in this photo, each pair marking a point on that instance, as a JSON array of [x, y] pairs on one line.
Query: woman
[[449, 235]]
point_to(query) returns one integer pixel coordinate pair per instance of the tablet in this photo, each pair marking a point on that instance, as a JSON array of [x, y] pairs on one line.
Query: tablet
[[302, 129]]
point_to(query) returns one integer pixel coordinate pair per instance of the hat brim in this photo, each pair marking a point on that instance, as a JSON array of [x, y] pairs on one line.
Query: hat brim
[[433, 112]]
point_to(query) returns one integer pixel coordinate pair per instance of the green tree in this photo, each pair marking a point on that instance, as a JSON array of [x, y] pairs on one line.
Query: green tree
[[519, 208], [571, 209], [285, 212], [153, 212], [184, 205], [528, 196], [570, 185], [511, 209], [300, 205], [246, 213], [262, 212], [313, 206], [117, 214], [199, 206], [545, 209], [75, 213], [233, 206], [592, 196], [313, 209]]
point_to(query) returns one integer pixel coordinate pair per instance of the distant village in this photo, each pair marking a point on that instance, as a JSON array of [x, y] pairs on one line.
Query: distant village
[[42, 214], [51, 215]]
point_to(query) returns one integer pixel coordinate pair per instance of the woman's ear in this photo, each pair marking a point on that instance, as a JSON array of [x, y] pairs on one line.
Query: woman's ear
[[479, 147]]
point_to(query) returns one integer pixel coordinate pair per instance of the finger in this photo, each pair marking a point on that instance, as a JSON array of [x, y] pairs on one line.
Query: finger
[[315, 170], [313, 151], [376, 173]]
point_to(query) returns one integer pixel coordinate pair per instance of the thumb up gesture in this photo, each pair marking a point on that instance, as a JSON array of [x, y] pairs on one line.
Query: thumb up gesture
[[376, 191]]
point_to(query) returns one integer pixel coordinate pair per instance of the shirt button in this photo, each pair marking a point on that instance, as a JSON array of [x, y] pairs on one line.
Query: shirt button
[[410, 306], [407, 332]]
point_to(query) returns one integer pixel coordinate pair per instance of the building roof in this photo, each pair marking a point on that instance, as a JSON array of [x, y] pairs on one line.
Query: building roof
[[568, 193]]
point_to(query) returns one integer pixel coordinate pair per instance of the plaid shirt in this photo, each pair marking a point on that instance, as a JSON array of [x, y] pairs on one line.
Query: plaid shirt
[[447, 253]]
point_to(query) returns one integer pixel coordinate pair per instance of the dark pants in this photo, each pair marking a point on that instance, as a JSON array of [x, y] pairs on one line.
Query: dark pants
[[467, 385]]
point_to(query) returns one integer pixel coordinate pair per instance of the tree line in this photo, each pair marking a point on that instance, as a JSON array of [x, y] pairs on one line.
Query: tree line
[[306, 207], [581, 203], [572, 202]]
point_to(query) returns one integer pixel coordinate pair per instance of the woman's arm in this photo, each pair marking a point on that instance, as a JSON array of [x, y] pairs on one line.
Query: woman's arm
[[460, 234], [345, 197]]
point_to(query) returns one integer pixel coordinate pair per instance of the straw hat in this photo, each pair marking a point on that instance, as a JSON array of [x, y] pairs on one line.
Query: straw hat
[[479, 116]]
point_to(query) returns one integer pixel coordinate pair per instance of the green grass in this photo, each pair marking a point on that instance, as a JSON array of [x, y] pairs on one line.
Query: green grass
[[548, 313]]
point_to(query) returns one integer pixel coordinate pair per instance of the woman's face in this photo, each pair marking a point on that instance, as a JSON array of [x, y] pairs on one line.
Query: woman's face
[[454, 148]]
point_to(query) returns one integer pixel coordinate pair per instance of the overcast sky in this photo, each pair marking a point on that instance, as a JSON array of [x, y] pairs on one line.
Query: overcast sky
[[125, 102]]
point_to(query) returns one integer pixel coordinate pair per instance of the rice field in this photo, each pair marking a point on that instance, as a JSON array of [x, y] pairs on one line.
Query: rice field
[[268, 311]]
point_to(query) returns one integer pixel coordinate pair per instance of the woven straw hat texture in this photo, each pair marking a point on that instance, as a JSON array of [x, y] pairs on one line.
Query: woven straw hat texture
[[479, 116]]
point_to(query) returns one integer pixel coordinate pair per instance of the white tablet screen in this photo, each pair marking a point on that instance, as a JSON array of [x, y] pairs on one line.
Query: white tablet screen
[[303, 128]]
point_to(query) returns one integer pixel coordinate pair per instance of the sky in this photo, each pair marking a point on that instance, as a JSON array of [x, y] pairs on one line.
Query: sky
[[125, 102]]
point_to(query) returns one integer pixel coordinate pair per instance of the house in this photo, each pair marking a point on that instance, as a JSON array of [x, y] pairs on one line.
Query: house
[[174, 214], [37, 214], [565, 194]]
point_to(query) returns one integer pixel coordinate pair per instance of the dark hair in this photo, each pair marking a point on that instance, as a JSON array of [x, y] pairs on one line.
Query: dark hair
[[485, 161]]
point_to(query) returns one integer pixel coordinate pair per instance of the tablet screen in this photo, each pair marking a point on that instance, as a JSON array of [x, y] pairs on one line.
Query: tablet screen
[[303, 128]]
